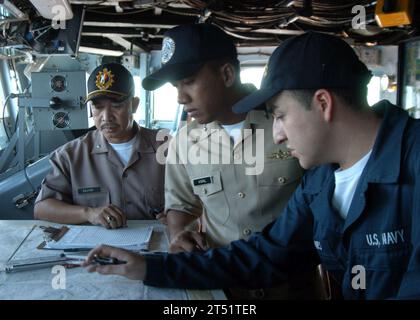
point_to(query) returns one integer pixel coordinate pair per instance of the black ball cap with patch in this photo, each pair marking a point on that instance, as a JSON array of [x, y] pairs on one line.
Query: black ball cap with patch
[[110, 80], [186, 48]]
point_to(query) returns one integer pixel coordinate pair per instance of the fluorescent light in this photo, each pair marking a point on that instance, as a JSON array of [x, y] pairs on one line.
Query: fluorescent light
[[104, 52], [15, 11], [53, 9]]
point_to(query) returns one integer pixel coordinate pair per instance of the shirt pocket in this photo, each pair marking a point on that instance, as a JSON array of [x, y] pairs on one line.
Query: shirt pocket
[[386, 258], [276, 185], [279, 173], [384, 269], [213, 197], [93, 199]]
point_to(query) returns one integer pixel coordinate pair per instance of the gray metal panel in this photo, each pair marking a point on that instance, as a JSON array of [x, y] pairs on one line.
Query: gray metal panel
[[44, 118], [71, 90], [75, 84], [17, 185]]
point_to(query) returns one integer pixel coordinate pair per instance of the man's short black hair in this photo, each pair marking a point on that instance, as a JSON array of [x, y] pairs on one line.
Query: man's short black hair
[[356, 97], [221, 61], [217, 63]]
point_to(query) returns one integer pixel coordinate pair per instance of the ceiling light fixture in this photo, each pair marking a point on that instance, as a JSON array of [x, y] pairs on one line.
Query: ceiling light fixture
[[104, 52], [13, 10]]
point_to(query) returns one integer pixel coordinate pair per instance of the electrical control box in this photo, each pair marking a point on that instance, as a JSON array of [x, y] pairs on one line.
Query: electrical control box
[[62, 96]]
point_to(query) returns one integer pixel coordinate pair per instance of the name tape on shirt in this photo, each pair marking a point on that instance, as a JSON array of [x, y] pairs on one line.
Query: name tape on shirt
[[385, 238], [201, 181], [89, 190]]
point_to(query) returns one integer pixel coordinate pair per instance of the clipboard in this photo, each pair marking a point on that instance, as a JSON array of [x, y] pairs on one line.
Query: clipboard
[[85, 238], [51, 233]]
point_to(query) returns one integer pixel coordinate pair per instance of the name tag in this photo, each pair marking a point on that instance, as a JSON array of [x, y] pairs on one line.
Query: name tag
[[201, 181], [89, 190]]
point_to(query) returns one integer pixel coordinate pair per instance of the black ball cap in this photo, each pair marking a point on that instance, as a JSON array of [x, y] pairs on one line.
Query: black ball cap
[[110, 80], [312, 60], [186, 48]]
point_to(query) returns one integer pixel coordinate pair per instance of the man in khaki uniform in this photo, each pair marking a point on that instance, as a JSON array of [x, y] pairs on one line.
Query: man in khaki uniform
[[233, 198], [111, 174]]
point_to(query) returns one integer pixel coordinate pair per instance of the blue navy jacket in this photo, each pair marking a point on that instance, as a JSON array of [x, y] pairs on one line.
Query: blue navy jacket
[[374, 253]]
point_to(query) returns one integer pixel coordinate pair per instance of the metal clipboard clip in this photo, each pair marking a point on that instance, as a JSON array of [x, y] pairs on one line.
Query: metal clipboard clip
[[52, 234]]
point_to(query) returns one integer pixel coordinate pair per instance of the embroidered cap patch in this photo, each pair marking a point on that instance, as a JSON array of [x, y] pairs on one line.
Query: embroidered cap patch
[[168, 49], [104, 79]]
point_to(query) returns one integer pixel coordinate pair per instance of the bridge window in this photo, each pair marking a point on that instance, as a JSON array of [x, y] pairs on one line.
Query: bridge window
[[252, 75], [165, 102]]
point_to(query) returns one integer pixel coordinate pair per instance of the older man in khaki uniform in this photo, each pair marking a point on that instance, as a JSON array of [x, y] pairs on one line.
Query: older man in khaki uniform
[[111, 174]]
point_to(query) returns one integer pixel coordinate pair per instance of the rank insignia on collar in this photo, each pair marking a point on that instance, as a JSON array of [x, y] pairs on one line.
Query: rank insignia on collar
[[104, 79], [280, 155]]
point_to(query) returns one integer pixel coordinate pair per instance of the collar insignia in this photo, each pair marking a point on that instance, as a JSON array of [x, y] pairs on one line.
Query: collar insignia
[[280, 155]]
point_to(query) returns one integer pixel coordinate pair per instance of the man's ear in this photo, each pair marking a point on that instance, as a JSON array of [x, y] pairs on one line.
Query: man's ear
[[323, 101], [135, 104], [228, 74]]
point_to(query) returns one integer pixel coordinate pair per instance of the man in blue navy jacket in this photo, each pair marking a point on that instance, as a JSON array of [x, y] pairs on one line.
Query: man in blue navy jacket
[[357, 210]]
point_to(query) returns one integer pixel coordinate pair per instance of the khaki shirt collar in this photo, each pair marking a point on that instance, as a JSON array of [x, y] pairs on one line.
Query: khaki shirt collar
[[254, 119], [142, 142]]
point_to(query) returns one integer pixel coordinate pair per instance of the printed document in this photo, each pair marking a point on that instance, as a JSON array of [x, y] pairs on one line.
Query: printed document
[[135, 238]]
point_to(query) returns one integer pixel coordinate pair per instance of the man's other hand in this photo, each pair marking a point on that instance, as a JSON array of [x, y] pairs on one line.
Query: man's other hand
[[110, 216], [188, 241], [161, 216]]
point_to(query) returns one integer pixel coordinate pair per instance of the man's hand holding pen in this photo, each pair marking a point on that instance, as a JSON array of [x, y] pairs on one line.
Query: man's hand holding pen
[[111, 260]]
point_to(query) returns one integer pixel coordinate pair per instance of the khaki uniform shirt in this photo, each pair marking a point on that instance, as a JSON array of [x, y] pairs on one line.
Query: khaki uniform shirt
[[234, 204], [88, 172]]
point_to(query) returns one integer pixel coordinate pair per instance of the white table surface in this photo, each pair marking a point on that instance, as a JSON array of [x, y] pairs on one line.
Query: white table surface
[[79, 284]]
